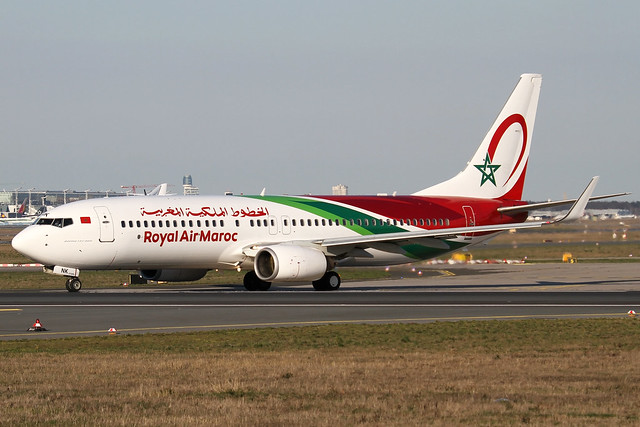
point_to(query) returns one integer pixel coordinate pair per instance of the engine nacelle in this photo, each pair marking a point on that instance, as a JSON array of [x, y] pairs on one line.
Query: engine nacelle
[[287, 263], [173, 275]]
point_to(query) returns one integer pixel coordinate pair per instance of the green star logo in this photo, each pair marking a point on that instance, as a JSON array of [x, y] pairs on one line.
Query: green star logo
[[488, 171]]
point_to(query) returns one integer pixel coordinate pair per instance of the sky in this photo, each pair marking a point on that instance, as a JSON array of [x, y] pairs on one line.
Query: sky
[[298, 96]]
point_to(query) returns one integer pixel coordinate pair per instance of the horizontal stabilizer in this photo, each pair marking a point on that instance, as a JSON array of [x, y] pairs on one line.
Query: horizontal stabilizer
[[536, 206]]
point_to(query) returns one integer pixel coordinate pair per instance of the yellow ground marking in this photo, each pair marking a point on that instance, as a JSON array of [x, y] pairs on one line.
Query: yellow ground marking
[[445, 273]]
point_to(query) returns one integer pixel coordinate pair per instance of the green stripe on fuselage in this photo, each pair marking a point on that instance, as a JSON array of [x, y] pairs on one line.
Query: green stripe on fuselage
[[332, 211]]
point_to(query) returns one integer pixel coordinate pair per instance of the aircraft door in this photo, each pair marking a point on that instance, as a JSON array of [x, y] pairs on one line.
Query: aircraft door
[[106, 224], [286, 225], [470, 219], [273, 225]]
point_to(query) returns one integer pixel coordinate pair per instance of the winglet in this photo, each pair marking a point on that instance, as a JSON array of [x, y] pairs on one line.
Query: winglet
[[577, 210]]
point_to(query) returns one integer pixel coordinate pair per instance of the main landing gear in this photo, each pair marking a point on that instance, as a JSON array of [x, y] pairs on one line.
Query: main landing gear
[[253, 283], [73, 284], [329, 282]]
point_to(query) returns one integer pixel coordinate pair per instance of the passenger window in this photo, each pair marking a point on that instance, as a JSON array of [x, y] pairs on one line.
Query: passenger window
[[138, 224], [221, 223], [153, 224], [123, 224], [198, 223], [237, 223]]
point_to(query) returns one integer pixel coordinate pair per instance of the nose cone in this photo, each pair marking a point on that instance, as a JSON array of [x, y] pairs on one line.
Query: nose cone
[[27, 242]]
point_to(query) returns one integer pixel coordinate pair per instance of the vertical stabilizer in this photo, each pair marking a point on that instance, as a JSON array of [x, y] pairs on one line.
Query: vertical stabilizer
[[498, 168]]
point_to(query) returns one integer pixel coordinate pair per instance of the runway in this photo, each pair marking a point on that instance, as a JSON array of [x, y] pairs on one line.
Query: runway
[[443, 293]]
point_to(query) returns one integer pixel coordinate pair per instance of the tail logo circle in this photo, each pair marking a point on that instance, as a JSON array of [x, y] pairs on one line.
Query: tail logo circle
[[487, 168]]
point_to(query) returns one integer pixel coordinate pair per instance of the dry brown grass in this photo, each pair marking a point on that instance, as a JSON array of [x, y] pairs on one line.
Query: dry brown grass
[[470, 374]]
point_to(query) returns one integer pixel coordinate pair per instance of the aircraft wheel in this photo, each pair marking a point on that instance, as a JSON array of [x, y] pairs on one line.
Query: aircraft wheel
[[74, 284], [253, 283], [329, 282]]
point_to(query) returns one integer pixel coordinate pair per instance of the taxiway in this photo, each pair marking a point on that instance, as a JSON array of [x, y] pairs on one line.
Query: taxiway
[[443, 293]]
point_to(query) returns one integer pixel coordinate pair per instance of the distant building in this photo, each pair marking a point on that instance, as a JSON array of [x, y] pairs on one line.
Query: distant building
[[187, 185], [340, 190]]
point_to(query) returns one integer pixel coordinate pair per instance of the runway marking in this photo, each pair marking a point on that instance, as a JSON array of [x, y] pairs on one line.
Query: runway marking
[[10, 309], [315, 305], [318, 322], [445, 273]]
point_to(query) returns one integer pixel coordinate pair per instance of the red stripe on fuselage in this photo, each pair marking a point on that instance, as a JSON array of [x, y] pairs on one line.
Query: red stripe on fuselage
[[416, 207]]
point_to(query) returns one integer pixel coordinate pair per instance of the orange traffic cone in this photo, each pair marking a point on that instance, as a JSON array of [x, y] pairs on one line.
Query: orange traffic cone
[[37, 327]]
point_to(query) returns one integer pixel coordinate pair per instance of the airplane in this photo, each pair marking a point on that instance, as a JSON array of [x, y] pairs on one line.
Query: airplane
[[302, 238], [20, 218]]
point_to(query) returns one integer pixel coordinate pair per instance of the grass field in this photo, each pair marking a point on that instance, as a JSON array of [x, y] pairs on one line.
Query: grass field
[[567, 372]]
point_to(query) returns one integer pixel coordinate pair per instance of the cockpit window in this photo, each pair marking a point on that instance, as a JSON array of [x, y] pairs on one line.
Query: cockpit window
[[56, 222]]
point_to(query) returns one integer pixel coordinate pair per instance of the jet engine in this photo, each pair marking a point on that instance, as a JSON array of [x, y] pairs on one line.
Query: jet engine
[[282, 263], [173, 275]]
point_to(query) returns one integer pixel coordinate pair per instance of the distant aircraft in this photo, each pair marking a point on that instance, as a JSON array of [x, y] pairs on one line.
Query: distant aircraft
[[19, 218], [301, 238]]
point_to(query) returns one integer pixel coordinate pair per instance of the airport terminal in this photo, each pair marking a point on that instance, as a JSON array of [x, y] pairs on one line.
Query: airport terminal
[[21, 202]]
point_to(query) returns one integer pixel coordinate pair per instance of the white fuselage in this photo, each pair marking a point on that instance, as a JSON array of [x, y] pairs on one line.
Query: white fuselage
[[191, 232]]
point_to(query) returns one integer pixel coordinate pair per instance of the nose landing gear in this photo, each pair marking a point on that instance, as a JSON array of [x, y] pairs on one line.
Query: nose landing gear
[[73, 284]]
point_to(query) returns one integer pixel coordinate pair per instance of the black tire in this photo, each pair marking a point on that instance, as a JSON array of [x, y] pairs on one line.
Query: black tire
[[74, 284], [253, 283], [329, 282]]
